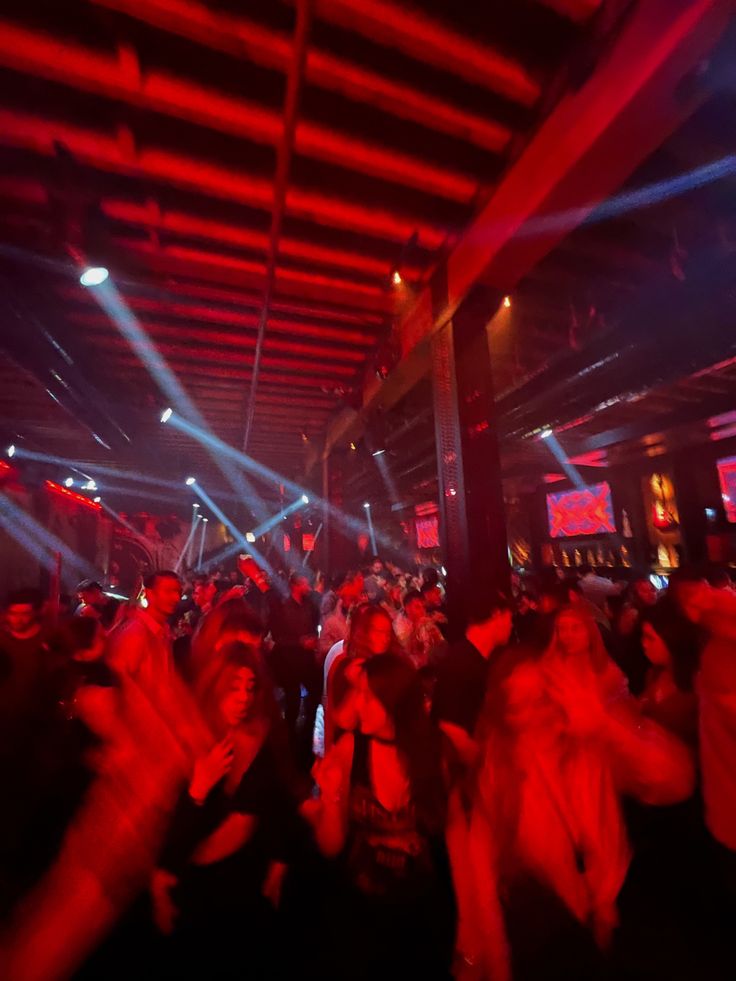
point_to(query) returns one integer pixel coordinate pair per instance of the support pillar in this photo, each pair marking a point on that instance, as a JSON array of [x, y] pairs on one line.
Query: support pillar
[[691, 509], [473, 520]]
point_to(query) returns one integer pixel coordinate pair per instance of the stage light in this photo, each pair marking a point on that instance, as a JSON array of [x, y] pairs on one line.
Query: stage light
[[378, 452], [94, 276], [97, 500], [366, 505], [205, 520], [166, 415], [11, 450], [396, 278], [546, 433], [195, 505], [90, 485], [250, 537], [69, 482], [353, 447], [507, 302], [305, 499], [190, 481]]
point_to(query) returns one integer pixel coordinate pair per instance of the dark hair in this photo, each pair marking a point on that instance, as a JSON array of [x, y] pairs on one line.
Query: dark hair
[[678, 637], [153, 577], [430, 576], [719, 576], [229, 617], [87, 585], [215, 680], [483, 604], [361, 621], [398, 687], [413, 594], [25, 597], [75, 634]]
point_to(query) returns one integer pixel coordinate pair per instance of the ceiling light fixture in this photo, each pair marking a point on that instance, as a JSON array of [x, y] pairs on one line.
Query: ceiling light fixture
[[94, 276]]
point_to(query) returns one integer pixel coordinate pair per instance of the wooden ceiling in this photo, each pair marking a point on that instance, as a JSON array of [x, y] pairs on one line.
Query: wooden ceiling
[[196, 148]]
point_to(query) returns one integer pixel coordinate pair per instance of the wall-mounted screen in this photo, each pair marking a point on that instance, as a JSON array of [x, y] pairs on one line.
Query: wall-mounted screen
[[584, 511], [727, 475]]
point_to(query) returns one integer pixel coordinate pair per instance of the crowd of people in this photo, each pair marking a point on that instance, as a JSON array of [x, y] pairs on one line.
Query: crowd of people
[[240, 777]]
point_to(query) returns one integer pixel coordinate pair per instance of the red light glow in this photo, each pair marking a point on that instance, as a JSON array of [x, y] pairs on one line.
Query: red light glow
[[72, 496]]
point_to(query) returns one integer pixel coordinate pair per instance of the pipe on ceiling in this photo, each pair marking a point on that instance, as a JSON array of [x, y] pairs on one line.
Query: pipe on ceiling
[[292, 101]]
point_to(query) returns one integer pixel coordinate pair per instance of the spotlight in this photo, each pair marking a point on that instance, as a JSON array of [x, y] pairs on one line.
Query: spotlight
[[90, 485], [378, 452], [195, 505], [507, 302], [396, 278], [190, 480], [69, 482], [166, 415], [11, 450], [250, 537], [94, 276], [305, 499], [205, 520], [353, 447], [97, 499], [546, 433], [366, 505]]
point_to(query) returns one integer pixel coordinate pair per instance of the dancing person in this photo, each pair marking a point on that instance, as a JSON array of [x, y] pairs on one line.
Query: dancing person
[[295, 658], [349, 593], [713, 612], [370, 633], [462, 676], [94, 603], [668, 696], [222, 866], [561, 741], [382, 815], [141, 647]]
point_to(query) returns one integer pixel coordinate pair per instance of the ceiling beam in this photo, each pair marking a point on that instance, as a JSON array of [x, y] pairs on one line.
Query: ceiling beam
[[246, 39], [120, 154], [225, 269], [434, 43], [189, 371], [186, 291], [227, 340], [201, 353], [201, 315], [590, 143], [63, 61]]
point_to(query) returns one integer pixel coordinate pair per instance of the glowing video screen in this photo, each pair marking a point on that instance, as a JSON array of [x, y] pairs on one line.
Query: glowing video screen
[[585, 511], [727, 477]]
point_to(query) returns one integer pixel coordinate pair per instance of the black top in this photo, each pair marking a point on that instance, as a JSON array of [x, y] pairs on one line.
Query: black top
[[387, 855], [260, 793], [292, 621], [462, 679]]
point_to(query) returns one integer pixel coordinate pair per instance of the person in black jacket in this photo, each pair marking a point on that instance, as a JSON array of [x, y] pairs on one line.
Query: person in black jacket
[[219, 876]]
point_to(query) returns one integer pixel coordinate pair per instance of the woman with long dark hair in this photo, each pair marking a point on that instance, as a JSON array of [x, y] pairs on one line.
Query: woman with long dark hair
[[383, 817], [561, 741], [228, 843], [370, 632]]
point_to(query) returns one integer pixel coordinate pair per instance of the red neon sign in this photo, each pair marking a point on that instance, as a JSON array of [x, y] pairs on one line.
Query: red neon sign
[[72, 496]]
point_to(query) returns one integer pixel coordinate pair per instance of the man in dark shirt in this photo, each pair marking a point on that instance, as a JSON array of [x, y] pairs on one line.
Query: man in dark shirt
[[294, 658], [462, 676]]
